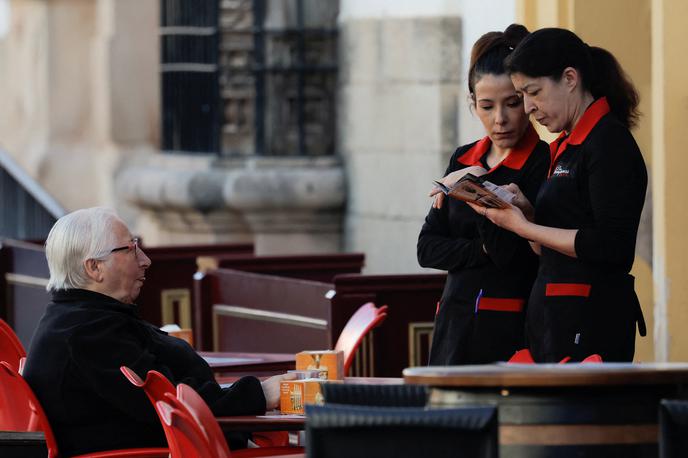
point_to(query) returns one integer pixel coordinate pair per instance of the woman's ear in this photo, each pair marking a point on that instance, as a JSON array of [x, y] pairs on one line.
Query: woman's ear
[[571, 78], [93, 270]]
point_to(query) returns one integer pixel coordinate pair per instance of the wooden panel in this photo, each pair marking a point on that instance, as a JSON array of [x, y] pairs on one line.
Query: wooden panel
[[268, 313], [24, 278], [412, 302], [269, 302], [15, 444], [171, 273], [318, 267]]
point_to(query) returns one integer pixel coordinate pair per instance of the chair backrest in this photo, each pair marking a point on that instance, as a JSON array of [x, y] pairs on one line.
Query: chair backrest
[[11, 348], [202, 414], [375, 395], [525, 357], [673, 428], [192, 404], [366, 318], [184, 436], [155, 386], [593, 359], [20, 409], [522, 357], [338, 431]]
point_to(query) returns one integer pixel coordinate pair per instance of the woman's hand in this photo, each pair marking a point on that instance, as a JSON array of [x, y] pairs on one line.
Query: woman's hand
[[271, 389], [510, 218], [521, 201], [450, 180]]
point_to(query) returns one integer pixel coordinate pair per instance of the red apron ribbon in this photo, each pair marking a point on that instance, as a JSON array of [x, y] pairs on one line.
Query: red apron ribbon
[[568, 289], [501, 305]]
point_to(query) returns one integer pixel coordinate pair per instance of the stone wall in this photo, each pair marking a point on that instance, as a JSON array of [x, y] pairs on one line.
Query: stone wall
[[399, 95], [80, 92]]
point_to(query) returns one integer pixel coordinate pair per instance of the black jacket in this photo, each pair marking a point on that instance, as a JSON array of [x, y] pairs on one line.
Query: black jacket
[[596, 184], [73, 367], [480, 317]]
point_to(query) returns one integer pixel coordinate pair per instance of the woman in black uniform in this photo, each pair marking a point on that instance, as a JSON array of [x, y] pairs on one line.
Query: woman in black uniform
[[490, 271], [587, 212]]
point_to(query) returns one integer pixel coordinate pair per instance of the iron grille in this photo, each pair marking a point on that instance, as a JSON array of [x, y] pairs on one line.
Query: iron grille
[[271, 65], [189, 74]]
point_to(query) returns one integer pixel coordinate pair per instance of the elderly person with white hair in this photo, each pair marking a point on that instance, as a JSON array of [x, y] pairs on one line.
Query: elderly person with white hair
[[92, 327]]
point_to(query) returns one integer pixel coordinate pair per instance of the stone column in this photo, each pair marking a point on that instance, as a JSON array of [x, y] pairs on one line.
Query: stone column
[[623, 27], [79, 92], [398, 124], [670, 213]]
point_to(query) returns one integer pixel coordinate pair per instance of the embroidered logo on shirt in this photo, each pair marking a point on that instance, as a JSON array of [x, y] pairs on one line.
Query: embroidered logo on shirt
[[561, 171]]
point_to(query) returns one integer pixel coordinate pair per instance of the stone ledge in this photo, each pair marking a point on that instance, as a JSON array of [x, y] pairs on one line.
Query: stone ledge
[[260, 185], [283, 205]]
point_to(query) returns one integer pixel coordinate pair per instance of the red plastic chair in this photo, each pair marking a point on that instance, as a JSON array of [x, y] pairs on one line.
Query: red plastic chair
[[184, 436], [361, 323], [592, 359], [155, 386], [11, 348], [194, 405], [21, 411], [522, 357]]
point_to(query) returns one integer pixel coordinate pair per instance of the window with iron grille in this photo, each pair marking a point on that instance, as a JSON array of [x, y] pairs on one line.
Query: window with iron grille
[[249, 77]]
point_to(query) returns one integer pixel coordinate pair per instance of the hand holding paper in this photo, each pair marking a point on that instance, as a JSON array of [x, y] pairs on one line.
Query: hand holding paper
[[473, 189]]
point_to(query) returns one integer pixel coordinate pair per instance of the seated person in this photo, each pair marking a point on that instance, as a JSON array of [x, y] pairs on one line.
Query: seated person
[[92, 327]]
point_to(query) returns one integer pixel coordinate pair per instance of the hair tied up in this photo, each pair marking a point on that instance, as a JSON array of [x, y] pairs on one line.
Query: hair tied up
[[514, 34]]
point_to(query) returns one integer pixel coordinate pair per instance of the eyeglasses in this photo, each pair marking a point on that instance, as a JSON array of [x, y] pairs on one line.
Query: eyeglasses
[[133, 245]]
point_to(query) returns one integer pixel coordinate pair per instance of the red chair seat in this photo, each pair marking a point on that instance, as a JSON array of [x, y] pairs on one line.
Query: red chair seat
[[21, 411]]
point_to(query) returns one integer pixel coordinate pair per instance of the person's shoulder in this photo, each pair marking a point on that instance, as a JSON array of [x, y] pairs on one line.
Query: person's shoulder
[[611, 141], [610, 130], [539, 156], [541, 150], [463, 149], [102, 326]]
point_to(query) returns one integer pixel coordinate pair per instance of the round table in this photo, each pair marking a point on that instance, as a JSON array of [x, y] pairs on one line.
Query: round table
[[561, 410]]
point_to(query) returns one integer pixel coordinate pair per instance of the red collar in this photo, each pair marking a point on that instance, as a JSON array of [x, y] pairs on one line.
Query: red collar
[[590, 118], [517, 157]]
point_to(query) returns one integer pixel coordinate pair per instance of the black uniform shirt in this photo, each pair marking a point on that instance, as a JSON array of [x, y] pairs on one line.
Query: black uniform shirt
[[596, 184], [496, 279]]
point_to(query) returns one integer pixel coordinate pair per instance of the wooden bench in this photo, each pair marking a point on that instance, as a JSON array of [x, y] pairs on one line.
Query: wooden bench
[[245, 311]]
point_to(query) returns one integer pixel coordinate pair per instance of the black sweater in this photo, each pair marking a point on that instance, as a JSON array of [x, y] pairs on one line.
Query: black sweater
[[452, 239], [73, 367]]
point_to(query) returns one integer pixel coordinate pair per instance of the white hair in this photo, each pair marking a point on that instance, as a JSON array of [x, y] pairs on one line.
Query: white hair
[[76, 237]]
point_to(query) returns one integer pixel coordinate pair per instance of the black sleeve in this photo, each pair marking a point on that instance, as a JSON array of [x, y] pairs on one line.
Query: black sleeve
[[502, 245], [244, 397], [617, 181], [437, 248]]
